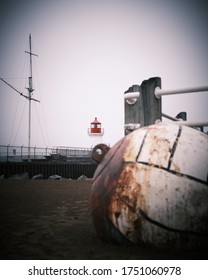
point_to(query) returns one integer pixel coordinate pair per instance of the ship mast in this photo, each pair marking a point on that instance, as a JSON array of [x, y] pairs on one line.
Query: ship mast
[[30, 90], [29, 96]]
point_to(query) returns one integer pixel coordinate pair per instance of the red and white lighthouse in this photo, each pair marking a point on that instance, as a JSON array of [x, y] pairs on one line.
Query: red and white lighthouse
[[95, 132]]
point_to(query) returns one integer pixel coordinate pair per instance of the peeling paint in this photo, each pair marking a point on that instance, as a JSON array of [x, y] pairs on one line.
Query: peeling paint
[[140, 193]]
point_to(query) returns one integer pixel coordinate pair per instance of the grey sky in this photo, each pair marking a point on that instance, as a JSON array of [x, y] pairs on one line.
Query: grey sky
[[89, 53]]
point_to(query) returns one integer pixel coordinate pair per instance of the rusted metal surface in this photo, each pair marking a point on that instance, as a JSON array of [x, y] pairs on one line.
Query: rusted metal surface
[[152, 187]]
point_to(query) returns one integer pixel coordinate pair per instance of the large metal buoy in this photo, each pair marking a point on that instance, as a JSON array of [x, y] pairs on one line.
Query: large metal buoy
[[152, 187]]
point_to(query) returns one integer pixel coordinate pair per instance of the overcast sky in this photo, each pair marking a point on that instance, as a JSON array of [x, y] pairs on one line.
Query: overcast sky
[[89, 53]]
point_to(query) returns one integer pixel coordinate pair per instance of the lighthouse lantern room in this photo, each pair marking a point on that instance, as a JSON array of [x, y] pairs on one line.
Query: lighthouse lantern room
[[95, 132], [95, 127]]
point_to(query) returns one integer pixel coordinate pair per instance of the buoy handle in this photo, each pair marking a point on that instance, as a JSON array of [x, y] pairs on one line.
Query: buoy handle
[[99, 152]]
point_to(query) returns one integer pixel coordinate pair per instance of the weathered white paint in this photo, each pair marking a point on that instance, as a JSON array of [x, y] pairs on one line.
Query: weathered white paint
[[167, 168], [95, 138], [158, 145]]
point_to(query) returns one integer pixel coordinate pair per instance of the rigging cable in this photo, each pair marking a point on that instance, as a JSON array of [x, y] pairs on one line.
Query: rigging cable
[[15, 114], [19, 123], [41, 104], [40, 125], [21, 79]]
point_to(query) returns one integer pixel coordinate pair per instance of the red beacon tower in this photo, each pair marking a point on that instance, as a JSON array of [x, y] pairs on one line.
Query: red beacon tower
[[95, 127], [95, 132]]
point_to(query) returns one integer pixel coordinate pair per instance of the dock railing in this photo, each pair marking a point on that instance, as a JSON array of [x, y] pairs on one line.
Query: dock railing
[[37, 154], [143, 105]]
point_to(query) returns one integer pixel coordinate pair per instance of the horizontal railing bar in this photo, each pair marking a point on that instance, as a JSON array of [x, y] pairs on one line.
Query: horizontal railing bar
[[131, 95], [188, 123], [160, 92], [193, 123], [169, 117]]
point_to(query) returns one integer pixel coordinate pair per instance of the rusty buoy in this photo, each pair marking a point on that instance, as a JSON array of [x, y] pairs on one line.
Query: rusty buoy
[[152, 187]]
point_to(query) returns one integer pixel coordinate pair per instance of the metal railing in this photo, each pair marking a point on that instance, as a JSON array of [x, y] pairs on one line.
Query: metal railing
[[143, 104], [55, 154], [161, 92]]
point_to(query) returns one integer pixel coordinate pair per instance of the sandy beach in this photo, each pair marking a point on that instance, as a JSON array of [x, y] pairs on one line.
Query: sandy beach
[[51, 220]]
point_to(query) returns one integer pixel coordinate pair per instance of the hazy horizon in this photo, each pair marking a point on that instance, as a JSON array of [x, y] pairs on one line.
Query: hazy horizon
[[89, 53]]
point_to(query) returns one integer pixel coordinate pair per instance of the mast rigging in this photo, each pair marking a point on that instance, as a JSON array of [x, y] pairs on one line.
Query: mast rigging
[[30, 90]]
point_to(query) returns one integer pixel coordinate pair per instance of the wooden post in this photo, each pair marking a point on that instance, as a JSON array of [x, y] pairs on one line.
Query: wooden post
[[146, 109], [150, 104]]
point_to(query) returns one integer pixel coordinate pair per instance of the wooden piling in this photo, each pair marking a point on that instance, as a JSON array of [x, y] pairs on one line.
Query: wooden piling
[[146, 109]]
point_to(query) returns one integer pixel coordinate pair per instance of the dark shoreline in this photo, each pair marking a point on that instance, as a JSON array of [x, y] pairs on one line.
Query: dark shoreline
[[51, 220]]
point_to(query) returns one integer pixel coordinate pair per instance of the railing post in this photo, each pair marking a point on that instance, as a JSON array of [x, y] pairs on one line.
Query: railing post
[[8, 153], [144, 110], [21, 152], [150, 104]]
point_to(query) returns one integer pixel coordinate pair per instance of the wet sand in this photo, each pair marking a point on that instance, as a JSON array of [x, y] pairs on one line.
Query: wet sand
[[51, 220]]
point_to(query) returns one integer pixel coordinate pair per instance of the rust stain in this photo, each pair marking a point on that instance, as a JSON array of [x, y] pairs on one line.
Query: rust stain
[[117, 195], [124, 204], [103, 187], [159, 151], [121, 190]]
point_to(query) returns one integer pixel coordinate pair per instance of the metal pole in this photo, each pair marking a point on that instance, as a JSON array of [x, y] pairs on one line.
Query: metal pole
[[34, 152], [131, 95], [7, 153], [193, 123], [160, 92], [30, 89], [169, 117], [21, 152], [29, 132]]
